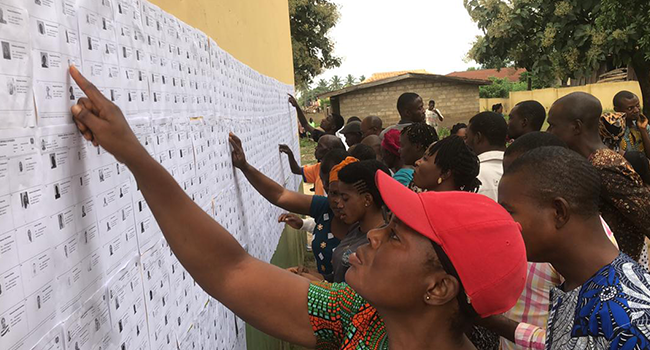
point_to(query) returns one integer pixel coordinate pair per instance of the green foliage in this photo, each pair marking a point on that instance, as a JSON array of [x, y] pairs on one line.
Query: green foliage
[[350, 80], [501, 88], [443, 132], [560, 39], [311, 21], [551, 39], [362, 78], [536, 83], [336, 83]]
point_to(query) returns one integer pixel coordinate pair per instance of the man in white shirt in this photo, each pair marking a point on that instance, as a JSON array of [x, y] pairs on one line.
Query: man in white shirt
[[486, 135], [433, 115]]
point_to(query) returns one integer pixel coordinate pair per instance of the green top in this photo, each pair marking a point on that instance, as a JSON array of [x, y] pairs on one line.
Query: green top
[[342, 319]]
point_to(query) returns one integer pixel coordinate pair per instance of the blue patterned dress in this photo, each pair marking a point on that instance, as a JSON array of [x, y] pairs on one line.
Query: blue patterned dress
[[610, 311]]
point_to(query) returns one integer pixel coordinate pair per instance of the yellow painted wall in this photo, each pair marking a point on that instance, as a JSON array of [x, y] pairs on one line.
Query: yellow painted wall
[[604, 92], [256, 32], [487, 103]]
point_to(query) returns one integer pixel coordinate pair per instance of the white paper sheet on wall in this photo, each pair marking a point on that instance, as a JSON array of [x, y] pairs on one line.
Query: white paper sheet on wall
[[16, 99], [83, 262]]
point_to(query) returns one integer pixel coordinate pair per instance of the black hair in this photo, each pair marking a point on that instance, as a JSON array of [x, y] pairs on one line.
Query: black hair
[[621, 96], [332, 158], [639, 162], [534, 111], [434, 102], [457, 127], [496, 107], [421, 134], [363, 152], [454, 155], [362, 176], [533, 141], [466, 311], [339, 121], [405, 100], [555, 172], [354, 119], [492, 126]]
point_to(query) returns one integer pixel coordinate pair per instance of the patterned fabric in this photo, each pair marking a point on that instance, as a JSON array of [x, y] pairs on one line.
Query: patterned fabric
[[532, 307], [342, 319], [612, 130], [625, 201], [528, 336], [324, 241], [484, 339], [609, 311], [632, 140]]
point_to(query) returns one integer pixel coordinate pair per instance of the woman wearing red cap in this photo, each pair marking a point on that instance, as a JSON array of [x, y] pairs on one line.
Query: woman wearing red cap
[[417, 285]]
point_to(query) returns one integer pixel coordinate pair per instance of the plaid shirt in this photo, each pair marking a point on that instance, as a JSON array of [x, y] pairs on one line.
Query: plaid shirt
[[531, 310]]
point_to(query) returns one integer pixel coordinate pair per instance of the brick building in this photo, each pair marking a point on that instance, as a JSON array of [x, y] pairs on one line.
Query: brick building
[[457, 98]]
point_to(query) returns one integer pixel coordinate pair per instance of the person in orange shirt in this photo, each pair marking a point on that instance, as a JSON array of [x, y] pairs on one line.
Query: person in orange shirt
[[311, 173]]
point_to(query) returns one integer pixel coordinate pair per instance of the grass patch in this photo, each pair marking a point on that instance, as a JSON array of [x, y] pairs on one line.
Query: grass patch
[[307, 148]]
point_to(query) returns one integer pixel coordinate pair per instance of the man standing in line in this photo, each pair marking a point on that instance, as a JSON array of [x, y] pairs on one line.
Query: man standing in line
[[311, 173], [330, 125], [486, 136], [624, 199], [526, 117], [433, 115], [637, 133], [371, 125], [411, 110]]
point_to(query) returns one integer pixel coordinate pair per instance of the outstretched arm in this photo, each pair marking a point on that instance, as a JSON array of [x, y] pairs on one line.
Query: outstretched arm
[[279, 196], [269, 298], [295, 168], [301, 115]]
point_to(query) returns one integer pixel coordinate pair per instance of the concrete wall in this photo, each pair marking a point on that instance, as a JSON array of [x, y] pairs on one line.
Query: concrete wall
[[256, 32], [604, 92], [457, 102]]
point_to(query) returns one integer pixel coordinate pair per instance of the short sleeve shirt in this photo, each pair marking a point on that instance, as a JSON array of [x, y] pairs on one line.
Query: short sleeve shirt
[[342, 319], [324, 241], [311, 175]]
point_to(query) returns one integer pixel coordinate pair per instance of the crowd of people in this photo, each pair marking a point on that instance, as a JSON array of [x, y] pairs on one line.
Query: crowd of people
[[498, 235]]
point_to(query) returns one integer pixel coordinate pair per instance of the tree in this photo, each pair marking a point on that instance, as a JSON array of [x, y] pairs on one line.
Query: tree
[[336, 83], [362, 79], [500, 88], [556, 40], [625, 26], [311, 21], [350, 80]]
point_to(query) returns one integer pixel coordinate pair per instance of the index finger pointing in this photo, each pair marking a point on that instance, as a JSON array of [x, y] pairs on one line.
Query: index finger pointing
[[88, 88]]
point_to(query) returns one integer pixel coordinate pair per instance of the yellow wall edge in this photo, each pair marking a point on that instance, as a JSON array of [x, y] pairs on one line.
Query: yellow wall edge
[[604, 92], [256, 32]]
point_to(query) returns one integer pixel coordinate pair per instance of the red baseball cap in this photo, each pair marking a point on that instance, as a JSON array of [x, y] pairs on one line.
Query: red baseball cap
[[480, 238]]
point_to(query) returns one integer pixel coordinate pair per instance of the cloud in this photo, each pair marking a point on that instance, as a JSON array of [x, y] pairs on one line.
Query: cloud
[[387, 35]]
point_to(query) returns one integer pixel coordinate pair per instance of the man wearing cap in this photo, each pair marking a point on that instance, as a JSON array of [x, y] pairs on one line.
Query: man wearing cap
[[311, 173], [604, 302], [352, 133], [463, 253]]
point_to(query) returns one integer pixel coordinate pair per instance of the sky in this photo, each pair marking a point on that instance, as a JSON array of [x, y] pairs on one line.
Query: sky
[[375, 36]]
